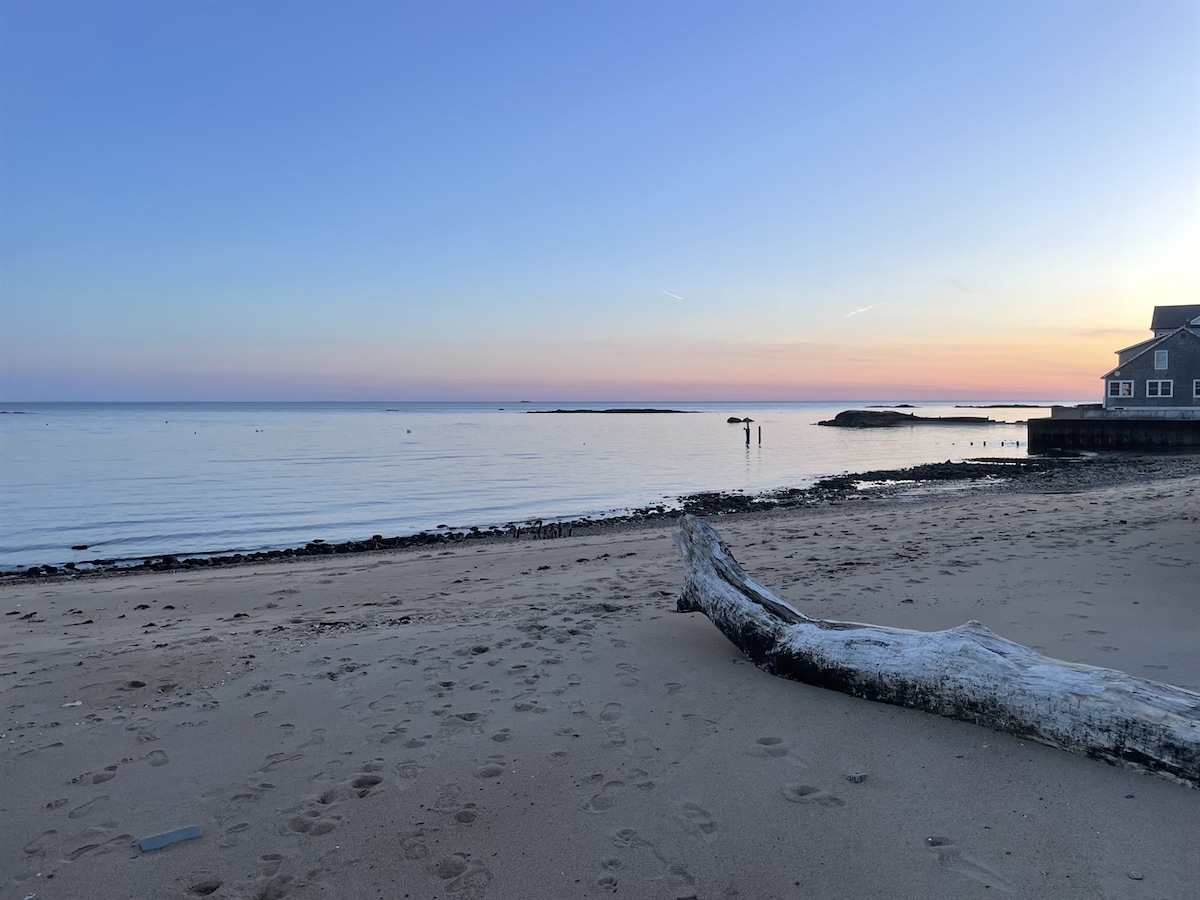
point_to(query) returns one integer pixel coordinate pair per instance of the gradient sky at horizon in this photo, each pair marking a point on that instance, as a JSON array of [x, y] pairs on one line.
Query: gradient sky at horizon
[[411, 201]]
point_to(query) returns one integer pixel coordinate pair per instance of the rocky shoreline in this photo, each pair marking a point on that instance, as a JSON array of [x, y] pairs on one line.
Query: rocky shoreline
[[1038, 474]]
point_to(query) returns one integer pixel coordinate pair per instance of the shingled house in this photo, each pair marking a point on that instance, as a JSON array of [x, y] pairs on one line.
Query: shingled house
[[1151, 399], [1160, 375]]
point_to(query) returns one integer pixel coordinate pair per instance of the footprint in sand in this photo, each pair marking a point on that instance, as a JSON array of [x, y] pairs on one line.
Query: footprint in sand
[[108, 774], [770, 747], [606, 799], [275, 760], [363, 782], [229, 836], [625, 675], [640, 779], [614, 736], [271, 863], [611, 712], [412, 843], [806, 793], [315, 738], [467, 815], [528, 706], [311, 824], [697, 819], [950, 856], [103, 847], [408, 771], [276, 888], [157, 758], [492, 769], [462, 876], [40, 844], [394, 733], [679, 877], [449, 798], [629, 839], [205, 887], [86, 808]]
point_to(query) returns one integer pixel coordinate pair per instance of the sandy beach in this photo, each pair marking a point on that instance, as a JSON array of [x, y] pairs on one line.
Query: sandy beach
[[516, 719]]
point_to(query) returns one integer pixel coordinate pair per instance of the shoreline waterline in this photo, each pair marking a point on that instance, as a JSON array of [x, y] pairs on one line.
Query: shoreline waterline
[[923, 481], [134, 480]]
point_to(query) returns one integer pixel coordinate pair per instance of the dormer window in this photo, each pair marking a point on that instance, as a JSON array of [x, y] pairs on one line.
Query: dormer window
[[1160, 360]]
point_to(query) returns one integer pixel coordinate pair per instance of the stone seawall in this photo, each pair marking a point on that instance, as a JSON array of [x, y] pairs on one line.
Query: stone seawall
[[1113, 434]]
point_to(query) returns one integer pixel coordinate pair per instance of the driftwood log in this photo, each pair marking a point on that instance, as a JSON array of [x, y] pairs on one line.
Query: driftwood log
[[967, 672]]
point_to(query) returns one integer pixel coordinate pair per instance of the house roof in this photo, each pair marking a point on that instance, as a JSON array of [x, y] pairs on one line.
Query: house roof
[[1149, 345], [1174, 316], [1143, 344]]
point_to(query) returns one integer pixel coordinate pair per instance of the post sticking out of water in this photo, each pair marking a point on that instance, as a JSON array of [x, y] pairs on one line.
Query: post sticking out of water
[[747, 432], [760, 435]]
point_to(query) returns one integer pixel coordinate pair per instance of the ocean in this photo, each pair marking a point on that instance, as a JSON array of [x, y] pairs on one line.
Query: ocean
[[131, 480]]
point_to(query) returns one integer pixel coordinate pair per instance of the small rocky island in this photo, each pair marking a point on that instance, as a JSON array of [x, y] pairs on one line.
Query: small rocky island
[[878, 418]]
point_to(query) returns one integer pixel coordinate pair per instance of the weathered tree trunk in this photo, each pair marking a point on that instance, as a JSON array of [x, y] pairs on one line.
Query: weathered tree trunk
[[967, 673]]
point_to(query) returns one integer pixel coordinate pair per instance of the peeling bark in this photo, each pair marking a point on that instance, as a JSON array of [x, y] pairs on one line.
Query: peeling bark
[[968, 672]]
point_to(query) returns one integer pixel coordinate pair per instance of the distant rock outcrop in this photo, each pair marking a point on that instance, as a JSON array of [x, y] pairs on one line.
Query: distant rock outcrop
[[877, 418]]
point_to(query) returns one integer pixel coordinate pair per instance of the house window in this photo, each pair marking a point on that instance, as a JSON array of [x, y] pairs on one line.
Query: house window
[[1158, 388], [1196, 388], [1120, 389], [1160, 360]]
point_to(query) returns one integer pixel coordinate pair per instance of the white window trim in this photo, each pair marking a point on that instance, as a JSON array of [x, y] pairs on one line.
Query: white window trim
[[1196, 388], [1159, 383], [1160, 355], [1116, 394]]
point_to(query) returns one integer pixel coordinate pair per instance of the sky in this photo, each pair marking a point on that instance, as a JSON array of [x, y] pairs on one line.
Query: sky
[[611, 201]]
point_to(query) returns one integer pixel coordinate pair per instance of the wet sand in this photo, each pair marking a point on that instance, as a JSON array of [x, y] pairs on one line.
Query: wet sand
[[532, 719]]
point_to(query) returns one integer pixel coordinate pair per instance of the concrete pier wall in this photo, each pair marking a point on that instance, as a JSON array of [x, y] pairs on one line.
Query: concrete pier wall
[[1113, 434]]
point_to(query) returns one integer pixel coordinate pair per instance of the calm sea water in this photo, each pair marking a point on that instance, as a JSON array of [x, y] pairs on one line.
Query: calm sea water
[[139, 479]]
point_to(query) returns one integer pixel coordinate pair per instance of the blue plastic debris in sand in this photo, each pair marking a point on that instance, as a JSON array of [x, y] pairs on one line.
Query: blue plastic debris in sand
[[158, 841]]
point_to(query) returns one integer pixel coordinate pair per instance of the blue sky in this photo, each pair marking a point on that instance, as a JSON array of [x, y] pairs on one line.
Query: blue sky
[[235, 200]]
